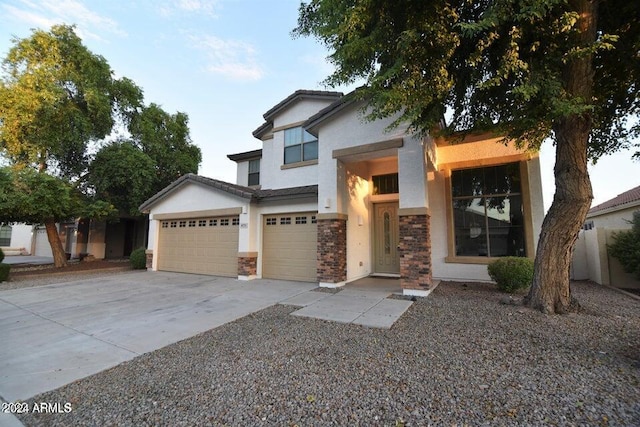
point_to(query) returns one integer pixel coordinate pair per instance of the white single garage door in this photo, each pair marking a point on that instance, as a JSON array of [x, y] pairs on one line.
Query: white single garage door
[[200, 245], [289, 247]]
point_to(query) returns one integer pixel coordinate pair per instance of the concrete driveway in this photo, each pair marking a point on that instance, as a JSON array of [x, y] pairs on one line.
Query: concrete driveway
[[53, 335]]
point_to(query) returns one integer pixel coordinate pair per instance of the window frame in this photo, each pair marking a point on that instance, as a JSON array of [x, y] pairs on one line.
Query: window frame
[[4, 230], [253, 174], [525, 194], [301, 142]]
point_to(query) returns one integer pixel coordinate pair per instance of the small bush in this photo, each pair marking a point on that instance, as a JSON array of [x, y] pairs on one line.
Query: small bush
[[1, 255], [138, 259], [4, 272], [626, 247], [511, 273]]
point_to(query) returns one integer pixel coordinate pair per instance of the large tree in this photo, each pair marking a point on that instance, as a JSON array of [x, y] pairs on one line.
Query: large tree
[[529, 70], [56, 98], [123, 175], [27, 195], [160, 150], [165, 139]]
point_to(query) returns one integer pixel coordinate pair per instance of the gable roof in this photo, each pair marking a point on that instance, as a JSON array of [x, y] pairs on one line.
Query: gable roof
[[248, 193], [294, 97], [629, 198], [329, 111]]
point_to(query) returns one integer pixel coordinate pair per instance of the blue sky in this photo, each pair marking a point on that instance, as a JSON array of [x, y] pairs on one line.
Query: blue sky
[[224, 63]]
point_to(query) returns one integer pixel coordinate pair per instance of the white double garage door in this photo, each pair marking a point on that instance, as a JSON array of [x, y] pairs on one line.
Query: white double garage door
[[210, 246]]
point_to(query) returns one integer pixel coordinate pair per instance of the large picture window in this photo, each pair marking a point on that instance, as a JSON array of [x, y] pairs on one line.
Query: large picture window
[[299, 146], [488, 213]]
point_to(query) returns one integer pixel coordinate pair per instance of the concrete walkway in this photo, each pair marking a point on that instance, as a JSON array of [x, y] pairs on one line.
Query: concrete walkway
[[27, 259], [363, 302]]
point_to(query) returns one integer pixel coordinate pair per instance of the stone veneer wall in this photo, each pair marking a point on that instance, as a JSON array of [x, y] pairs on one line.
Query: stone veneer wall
[[247, 266], [332, 250], [415, 252], [149, 254]]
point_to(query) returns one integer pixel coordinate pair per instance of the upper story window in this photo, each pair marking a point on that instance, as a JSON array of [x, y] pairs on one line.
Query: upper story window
[[254, 172], [385, 184], [488, 213], [299, 146]]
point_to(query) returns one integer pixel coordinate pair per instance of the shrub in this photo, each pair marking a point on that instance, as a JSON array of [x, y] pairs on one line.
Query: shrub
[[1, 255], [4, 272], [626, 247], [138, 259], [511, 273]]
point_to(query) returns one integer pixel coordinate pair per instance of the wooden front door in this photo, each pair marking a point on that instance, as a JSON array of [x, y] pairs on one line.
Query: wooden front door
[[386, 238]]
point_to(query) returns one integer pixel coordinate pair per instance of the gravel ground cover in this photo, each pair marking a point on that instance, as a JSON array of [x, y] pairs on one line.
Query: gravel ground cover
[[459, 357]]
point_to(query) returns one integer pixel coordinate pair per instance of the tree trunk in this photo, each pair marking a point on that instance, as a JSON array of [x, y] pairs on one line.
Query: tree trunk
[[550, 291], [59, 256]]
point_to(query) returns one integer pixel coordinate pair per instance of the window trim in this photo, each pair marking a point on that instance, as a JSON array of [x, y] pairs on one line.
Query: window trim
[[525, 193], [301, 144], [249, 173]]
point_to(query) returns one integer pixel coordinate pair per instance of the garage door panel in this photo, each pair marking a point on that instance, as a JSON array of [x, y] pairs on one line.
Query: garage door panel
[[289, 247], [199, 246]]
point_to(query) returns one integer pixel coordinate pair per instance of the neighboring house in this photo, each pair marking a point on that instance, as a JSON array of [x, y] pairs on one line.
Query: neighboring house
[[333, 197], [591, 260], [15, 238], [99, 238]]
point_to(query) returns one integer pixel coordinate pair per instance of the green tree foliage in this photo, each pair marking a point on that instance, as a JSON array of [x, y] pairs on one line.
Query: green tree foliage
[[123, 175], [626, 247], [568, 70], [34, 197], [165, 139], [56, 97]]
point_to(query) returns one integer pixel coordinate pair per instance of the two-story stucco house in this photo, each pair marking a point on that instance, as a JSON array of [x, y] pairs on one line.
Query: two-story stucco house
[[331, 198]]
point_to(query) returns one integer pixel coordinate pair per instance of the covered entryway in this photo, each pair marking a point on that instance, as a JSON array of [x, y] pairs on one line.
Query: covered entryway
[[289, 246], [199, 245]]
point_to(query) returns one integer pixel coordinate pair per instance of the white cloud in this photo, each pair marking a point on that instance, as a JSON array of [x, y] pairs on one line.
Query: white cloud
[[233, 59], [204, 7], [45, 13]]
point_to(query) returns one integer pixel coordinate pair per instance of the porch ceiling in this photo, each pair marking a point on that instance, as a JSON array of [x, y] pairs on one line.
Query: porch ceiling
[[376, 150]]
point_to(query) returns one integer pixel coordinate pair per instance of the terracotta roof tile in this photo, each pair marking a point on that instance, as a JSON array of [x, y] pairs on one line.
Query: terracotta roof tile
[[627, 197]]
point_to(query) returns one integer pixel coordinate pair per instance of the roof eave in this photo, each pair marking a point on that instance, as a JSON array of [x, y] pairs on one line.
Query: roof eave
[[612, 209], [247, 155]]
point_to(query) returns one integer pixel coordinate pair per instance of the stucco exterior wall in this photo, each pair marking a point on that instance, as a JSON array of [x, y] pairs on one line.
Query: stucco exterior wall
[[412, 171], [359, 231], [347, 130], [474, 151], [21, 236], [300, 111], [242, 173], [272, 175], [614, 219]]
